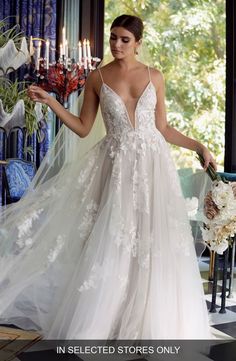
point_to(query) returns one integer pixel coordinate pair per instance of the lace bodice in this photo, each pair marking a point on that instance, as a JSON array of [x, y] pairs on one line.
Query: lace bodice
[[116, 116], [122, 135]]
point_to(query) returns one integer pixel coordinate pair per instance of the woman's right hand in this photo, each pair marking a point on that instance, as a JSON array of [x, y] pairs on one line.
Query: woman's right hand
[[37, 94]]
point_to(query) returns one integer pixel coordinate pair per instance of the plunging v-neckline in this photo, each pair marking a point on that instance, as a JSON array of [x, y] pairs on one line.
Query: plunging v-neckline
[[125, 107]]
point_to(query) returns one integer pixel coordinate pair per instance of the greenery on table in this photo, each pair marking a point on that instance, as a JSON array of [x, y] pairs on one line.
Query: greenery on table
[[11, 93], [13, 33], [186, 40]]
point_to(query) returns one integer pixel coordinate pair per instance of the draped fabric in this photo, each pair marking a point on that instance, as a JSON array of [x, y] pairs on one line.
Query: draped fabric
[[36, 18], [3, 140], [71, 21]]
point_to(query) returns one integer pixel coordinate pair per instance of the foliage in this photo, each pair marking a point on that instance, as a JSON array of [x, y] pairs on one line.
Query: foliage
[[11, 93], [13, 33], [186, 41]]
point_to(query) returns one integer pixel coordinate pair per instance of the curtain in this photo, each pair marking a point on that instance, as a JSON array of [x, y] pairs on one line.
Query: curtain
[[35, 17], [39, 19]]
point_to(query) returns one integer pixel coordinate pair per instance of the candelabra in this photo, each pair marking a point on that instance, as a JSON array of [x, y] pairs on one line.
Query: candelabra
[[63, 77], [67, 74]]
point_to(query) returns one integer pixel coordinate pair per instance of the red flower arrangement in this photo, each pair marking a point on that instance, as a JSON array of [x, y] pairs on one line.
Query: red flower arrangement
[[62, 81]]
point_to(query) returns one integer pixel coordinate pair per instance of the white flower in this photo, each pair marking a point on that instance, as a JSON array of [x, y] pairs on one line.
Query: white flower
[[207, 234], [219, 248], [226, 213], [222, 194]]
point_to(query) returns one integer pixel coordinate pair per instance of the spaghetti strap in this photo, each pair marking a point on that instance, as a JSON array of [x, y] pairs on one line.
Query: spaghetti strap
[[100, 73], [149, 73]]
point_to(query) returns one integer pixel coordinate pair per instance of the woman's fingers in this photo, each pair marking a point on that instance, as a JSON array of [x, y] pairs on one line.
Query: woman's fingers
[[37, 94], [209, 161], [206, 164], [213, 163], [34, 92]]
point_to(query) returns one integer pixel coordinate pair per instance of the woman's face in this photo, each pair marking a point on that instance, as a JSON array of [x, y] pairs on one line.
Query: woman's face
[[122, 43]]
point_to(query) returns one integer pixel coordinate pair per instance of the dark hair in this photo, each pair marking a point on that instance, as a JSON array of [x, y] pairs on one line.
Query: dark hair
[[131, 23]]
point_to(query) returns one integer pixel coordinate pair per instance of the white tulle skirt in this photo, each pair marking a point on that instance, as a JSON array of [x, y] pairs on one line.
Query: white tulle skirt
[[104, 251]]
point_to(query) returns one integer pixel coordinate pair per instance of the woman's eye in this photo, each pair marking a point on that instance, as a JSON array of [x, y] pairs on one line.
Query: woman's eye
[[125, 40], [112, 38]]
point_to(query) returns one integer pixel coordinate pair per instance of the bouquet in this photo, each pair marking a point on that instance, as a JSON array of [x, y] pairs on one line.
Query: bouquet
[[62, 82], [220, 212]]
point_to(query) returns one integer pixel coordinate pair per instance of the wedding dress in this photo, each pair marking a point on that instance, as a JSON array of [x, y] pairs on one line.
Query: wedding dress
[[107, 253]]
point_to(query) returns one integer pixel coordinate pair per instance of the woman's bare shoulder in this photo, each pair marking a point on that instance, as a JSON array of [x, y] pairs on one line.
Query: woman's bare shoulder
[[157, 77], [94, 79], [95, 75], [156, 73]]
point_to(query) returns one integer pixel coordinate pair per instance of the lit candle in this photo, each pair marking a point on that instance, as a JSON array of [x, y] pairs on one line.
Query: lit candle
[[84, 49], [85, 63], [38, 55], [66, 49], [88, 52], [63, 41], [66, 54], [31, 48], [61, 50], [47, 53], [79, 52]]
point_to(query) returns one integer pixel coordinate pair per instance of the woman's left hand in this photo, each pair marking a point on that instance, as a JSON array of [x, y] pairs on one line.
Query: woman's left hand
[[208, 158]]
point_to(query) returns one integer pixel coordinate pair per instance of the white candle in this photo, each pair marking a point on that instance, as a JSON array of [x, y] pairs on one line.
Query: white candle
[[60, 50], [84, 49], [31, 47], [66, 54], [47, 53], [79, 52], [88, 52], [63, 41], [85, 63], [38, 55], [66, 49]]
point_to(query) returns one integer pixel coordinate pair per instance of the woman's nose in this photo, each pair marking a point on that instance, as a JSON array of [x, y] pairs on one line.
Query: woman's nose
[[118, 43]]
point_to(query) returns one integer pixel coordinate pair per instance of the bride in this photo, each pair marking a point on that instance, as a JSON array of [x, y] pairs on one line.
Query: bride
[[103, 249]]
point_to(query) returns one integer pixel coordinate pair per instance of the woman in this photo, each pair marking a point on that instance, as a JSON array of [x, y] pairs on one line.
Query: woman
[[120, 263]]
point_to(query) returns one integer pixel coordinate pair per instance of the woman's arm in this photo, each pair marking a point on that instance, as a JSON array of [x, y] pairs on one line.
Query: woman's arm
[[80, 125], [172, 135]]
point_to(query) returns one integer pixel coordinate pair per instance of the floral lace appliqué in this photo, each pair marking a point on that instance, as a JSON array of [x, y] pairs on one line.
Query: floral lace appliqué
[[54, 252], [24, 229], [88, 219]]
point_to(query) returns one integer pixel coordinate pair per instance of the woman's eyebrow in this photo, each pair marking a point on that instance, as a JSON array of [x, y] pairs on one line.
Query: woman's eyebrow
[[123, 37]]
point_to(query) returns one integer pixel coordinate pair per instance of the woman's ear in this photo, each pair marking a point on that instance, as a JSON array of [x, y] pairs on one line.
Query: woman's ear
[[137, 48]]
